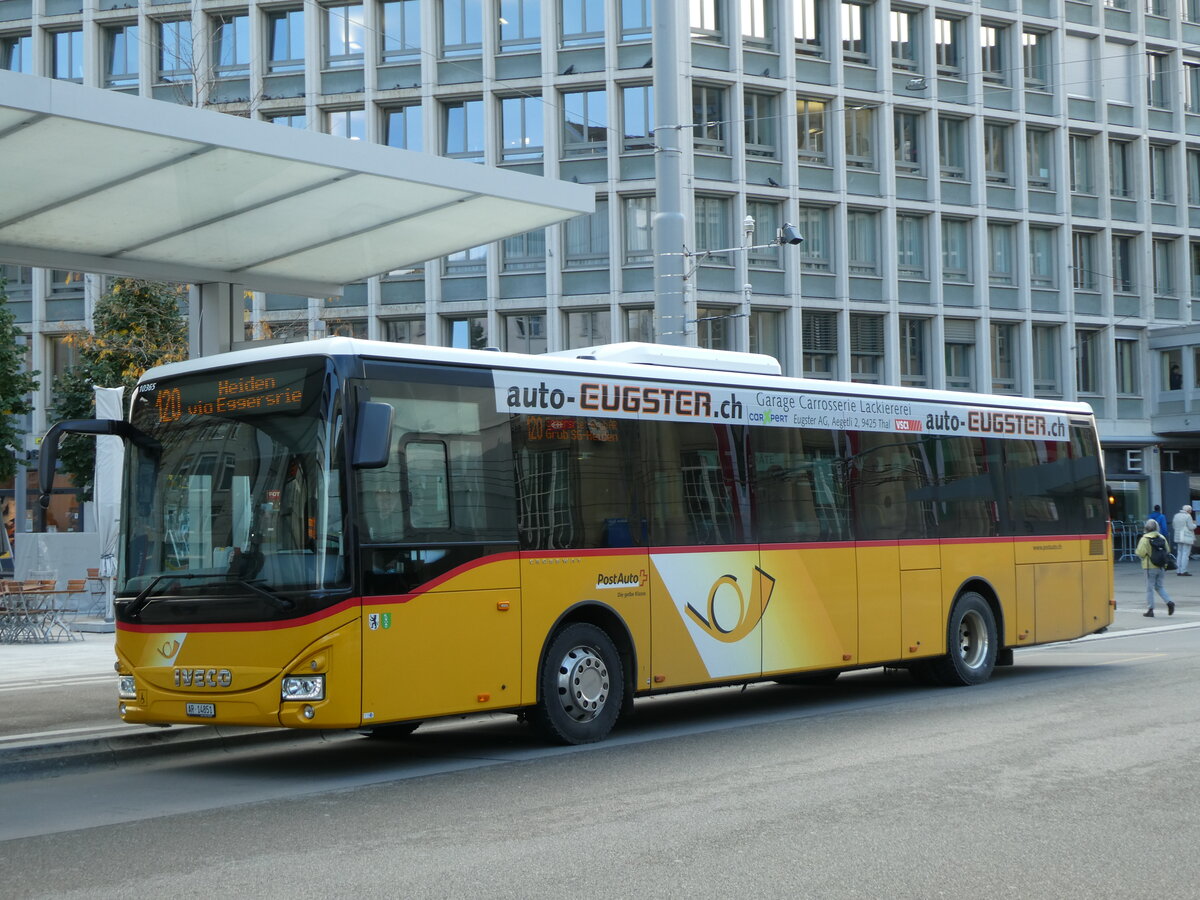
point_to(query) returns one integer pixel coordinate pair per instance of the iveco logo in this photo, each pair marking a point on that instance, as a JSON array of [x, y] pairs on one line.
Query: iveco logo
[[203, 678]]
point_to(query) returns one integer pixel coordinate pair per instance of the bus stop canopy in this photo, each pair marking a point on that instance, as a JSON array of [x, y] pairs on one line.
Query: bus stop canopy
[[98, 181]]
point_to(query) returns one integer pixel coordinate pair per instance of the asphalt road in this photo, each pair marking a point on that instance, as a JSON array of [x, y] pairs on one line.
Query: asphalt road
[[1071, 774]]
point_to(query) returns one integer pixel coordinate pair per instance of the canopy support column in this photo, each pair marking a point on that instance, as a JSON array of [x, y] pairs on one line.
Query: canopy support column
[[210, 322]]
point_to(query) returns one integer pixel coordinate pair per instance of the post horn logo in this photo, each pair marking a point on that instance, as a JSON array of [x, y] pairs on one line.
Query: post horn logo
[[168, 649], [728, 628]]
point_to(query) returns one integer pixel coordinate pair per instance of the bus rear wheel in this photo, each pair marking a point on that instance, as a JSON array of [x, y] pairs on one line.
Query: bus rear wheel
[[581, 686], [972, 642]]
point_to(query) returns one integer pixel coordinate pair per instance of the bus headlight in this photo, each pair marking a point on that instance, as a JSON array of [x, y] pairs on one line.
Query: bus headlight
[[126, 688], [302, 687]]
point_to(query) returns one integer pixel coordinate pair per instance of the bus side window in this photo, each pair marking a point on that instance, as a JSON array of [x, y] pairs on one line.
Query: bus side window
[[427, 479]]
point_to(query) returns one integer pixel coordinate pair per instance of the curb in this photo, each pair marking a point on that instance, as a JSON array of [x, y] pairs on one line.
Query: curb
[[114, 748]]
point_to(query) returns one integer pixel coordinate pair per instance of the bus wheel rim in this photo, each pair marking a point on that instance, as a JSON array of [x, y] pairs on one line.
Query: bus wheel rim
[[583, 683], [972, 640]]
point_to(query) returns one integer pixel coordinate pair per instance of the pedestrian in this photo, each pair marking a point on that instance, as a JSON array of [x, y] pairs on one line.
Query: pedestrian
[[1154, 574], [1185, 536], [1158, 517]]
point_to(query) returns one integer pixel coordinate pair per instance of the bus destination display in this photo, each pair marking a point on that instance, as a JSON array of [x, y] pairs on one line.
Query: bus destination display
[[233, 396]]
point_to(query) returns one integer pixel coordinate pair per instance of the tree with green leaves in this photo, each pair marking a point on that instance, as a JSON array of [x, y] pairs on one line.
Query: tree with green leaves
[[136, 325], [16, 389]]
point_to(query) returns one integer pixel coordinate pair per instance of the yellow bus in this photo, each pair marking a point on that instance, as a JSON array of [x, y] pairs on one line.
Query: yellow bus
[[363, 535]]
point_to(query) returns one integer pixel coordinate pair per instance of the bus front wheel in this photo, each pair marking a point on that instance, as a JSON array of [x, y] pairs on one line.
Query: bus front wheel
[[972, 642], [581, 686]]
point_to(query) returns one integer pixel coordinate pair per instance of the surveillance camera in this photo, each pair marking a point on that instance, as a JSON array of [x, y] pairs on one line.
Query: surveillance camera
[[789, 235]]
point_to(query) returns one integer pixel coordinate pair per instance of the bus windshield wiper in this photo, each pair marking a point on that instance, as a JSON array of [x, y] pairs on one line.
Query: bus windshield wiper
[[143, 599]]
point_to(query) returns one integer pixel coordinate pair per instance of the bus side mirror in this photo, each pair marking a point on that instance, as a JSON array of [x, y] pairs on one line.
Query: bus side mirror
[[373, 434], [48, 450]]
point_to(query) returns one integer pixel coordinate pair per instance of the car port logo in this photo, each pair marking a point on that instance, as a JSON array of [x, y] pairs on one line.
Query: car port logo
[[611, 581]]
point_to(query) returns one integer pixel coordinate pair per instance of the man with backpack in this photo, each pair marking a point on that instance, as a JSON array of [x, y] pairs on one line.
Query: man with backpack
[[1155, 553]]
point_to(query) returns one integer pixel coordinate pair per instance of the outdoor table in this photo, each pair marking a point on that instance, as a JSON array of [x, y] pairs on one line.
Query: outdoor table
[[35, 616]]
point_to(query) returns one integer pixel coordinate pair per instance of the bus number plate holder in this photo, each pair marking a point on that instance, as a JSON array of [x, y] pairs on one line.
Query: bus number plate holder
[[202, 710]]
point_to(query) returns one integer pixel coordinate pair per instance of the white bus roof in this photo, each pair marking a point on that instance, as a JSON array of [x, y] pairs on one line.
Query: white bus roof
[[597, 360]]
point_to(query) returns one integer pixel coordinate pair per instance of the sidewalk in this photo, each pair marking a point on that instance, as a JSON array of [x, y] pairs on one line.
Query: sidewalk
[[51, 734]]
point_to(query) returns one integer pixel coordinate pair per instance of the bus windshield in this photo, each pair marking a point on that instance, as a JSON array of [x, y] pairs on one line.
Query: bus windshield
[[240, 501]]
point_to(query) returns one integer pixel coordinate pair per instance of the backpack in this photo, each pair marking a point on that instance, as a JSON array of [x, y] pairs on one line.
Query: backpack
[[1159, 555]]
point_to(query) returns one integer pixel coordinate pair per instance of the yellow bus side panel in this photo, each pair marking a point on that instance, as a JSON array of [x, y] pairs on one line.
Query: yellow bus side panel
[[879, 615], [923, 627], [990, 560], [441, 653], [255, 660], [552, 585], [1097, 594], [813, 613], [1024, 623], [1057, 588]]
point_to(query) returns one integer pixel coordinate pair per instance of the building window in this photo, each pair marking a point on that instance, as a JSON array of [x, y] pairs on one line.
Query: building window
[[639, 324], [866, 348], [285, 40], [956, 250], [1087, 361], [522, 134], [636, 20], [639, 218], [813, 223], [995, 152], [16, 53], [463, 129], [1158, 80], [952, 147], [122, 48], [910, 245], [1120, 178], [1000, 252], [585, 123], [1045, 360], [588, 328], [462, 27], [714, 327], [1038, 157], [906, 133], [520, 24], [405, 331], [1194, 252], [467, 333], [960, 364], [345, 36], [1160, 173], [705, 18], [914, 351], [1124, 264], [855, 33], [946, 43], [587, 239], [767, 333], [820, 343], [18, 280], [862, 242], [289, 120], [860, 136], [1004, 358], [524, 252], [1163, 258], [708, 118], [764, 255], [1191, 87], [712, 227], [1171, 377], [231, 46], [1081, 164], [1126, 364], [402, 127], [472, 261], [67, 60], [756, 21], [347, 123], [1192, 162], [905, 26], [807, 22], [1191, 10], [582, 22], [400, 28], [759, 116], [991, 53], [174, 51], [525, 333], [1035, 50], [1083, 260], [1042, 266], [810, 129], [637, 117]]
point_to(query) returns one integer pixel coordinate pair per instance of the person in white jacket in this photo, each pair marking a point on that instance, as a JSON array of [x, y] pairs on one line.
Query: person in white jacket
[[1184, 527]]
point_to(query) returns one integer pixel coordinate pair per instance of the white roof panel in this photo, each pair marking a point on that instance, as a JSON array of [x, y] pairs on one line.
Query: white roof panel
[[101, 181]]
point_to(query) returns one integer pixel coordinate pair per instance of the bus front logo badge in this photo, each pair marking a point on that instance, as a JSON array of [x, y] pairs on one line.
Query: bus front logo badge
[[721, 622]]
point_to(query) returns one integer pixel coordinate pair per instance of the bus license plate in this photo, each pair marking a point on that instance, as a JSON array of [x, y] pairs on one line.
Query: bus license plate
[[203, 710]]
